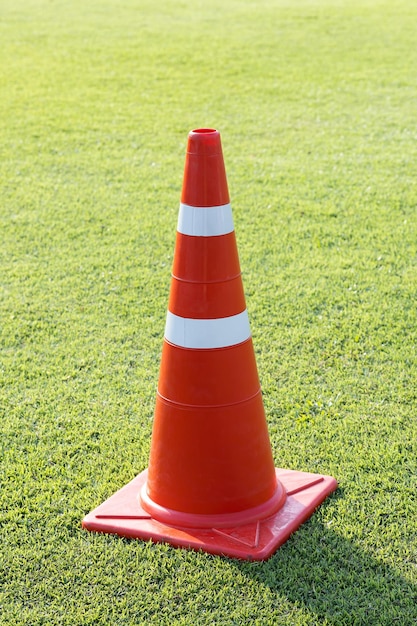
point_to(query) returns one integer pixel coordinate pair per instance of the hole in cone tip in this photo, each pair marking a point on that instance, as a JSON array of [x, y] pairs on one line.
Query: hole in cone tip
[[204, 130]]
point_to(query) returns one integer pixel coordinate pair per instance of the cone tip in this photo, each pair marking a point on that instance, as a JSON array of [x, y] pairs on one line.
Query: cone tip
[[204, 141]]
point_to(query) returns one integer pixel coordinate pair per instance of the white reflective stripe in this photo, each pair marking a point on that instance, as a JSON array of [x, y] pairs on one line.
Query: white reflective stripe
[[207, 333], [205, 221]]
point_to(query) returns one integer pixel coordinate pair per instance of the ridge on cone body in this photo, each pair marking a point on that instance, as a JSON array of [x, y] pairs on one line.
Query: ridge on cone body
[[211, 460]]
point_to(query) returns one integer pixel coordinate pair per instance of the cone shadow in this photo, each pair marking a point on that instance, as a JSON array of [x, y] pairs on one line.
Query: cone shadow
[[335, 580]]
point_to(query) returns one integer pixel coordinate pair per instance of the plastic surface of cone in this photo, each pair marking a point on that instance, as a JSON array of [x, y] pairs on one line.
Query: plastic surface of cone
[[210, 452], [211, 481]]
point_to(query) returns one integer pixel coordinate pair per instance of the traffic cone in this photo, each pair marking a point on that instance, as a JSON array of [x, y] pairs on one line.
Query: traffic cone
[[211, 483]]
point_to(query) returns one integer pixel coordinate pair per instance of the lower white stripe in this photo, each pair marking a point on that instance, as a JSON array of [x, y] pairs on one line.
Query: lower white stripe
[[205, 221], [207, 333]]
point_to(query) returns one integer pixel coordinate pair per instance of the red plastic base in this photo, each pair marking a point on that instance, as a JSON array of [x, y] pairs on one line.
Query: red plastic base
[[122, 515]]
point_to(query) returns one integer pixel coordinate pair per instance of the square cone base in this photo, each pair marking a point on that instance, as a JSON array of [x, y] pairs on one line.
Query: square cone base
[[123, 515]]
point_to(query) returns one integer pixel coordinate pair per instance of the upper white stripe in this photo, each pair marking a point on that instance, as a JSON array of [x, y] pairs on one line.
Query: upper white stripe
[[207, 333], [205, 221]]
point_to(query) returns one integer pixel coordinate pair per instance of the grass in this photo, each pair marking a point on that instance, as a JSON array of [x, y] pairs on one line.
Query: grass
[[315, 101]]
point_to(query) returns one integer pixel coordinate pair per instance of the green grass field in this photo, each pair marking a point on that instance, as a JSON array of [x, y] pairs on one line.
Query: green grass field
[[316, 101]]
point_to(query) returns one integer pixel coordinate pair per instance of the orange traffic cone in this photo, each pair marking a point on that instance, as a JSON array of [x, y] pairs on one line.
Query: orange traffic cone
[[211, 481]]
